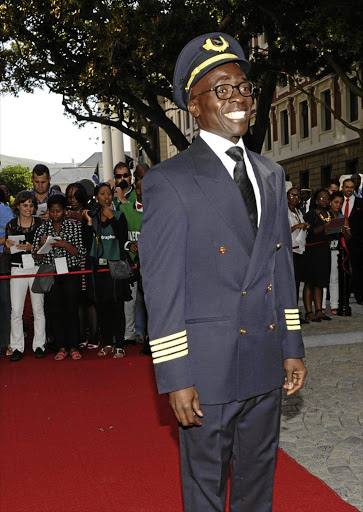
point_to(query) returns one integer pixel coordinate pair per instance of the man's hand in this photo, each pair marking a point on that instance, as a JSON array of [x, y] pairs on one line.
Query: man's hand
[[44, 216], [133, 247], [119, 193], [185, 404], [295, 375]]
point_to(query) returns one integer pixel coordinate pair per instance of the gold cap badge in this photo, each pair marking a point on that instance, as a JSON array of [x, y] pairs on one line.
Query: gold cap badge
[[217, 44]]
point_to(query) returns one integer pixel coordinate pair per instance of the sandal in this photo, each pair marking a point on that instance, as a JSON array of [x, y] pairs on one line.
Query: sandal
[[9, 351], [75, 355], [334, 311], [311, 317], [83, 344], [60, 356], [105, 351], [119, 353], [322, 315], [93, 345]]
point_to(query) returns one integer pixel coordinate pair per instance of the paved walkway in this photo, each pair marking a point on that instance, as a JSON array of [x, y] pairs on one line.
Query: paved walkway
[[321, 425]]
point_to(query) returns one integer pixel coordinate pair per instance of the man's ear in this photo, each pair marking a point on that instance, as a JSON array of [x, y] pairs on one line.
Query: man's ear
[[193, 108]]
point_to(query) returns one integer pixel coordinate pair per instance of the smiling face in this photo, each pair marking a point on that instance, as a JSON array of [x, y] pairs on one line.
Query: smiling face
[[104, 196], [26, 209], [323, 200], [226, 118], [348, 188]]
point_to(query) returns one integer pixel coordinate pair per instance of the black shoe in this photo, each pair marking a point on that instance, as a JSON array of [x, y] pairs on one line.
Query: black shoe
[[129, 342], [39, 353], [146, 351], [303, 321], [16, 355]]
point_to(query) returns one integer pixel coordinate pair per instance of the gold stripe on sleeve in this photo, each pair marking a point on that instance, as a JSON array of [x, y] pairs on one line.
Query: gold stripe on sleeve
[[170, 357], [169, 344], [168, 338]]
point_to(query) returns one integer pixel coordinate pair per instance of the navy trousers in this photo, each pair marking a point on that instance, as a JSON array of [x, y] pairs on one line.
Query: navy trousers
[[244, 434]]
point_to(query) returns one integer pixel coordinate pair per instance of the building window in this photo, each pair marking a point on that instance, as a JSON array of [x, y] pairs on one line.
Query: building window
[[353, 107], [268, 138], [326, 115], [284, 128], [304, 120], [325, 174], [304, 179], [351, 166]]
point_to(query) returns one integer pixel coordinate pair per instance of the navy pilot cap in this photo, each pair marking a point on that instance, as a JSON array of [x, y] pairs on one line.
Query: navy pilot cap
[[200, 56]]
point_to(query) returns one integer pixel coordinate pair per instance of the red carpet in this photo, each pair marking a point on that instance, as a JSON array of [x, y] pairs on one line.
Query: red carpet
[[93, 436]]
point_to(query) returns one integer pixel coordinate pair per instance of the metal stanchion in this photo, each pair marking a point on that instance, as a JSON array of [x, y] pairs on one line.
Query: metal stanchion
[[344, 293]]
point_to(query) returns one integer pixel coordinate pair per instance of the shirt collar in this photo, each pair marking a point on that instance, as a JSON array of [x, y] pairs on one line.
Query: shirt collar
[[219, 144]]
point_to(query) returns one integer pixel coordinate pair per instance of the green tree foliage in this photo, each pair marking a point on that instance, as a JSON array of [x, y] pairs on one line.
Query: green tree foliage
[[112, 60], [16, 178]]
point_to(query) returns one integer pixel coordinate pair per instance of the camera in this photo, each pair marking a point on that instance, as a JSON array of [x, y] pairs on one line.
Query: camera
[[95, 208], [123, 184]]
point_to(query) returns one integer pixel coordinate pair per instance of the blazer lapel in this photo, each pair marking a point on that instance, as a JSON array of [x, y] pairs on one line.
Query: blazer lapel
[[267, 185], [222, 192]]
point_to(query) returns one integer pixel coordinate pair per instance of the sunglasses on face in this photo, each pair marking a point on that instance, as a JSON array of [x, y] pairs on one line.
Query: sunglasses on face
[[294, 195], [124, 175]]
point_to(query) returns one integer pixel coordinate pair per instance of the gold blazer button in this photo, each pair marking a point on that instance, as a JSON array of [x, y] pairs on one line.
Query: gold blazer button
[[272, 326], [243, 331], [278, 246], [269, 288], [244, 293], [222, 250]]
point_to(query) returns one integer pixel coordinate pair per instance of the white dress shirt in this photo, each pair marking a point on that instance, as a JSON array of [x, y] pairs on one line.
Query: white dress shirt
[[219, 145], [351, 204]]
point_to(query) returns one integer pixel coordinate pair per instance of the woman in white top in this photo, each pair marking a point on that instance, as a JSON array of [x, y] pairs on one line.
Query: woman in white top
[[298, 234]]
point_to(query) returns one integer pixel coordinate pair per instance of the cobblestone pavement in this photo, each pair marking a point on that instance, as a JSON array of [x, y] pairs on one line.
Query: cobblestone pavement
[[321, 426]]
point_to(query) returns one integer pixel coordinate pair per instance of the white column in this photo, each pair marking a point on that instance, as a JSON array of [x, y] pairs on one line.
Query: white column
[[107, 153], [118, 153]]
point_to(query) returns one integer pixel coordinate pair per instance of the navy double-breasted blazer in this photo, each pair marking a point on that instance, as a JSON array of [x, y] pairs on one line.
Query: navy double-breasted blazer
[[221, 302]]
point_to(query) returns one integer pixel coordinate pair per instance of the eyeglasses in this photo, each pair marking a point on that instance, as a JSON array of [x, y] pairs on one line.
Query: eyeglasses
[[294, 195], [124, 175], [225, 91]]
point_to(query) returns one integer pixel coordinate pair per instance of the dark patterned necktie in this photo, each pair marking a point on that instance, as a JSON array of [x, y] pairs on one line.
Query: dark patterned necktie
[[240, 176]]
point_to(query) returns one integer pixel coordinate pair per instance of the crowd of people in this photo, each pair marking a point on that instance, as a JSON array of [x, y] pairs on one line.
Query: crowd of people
[[92, 226], [320, 225], [75, 242]]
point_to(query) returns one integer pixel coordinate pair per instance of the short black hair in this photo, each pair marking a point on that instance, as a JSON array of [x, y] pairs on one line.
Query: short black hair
[[338, 193], [2, 195], [40, 169], [121, 165], [348, 179], [332, 181], [100, 185], [57, 199]]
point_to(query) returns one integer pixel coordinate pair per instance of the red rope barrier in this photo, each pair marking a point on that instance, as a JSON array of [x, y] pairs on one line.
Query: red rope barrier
[[55, 273]]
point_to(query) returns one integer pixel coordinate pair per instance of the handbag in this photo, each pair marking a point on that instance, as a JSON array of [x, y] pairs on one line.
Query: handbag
[[43, 284], [122, 268]]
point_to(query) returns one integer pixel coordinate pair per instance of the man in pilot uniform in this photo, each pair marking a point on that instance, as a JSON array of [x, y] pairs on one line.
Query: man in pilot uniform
[[216, 261]]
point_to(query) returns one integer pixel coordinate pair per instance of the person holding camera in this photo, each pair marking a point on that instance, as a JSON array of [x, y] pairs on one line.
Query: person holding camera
[[19, 234], [122, 188], [105, 232]]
